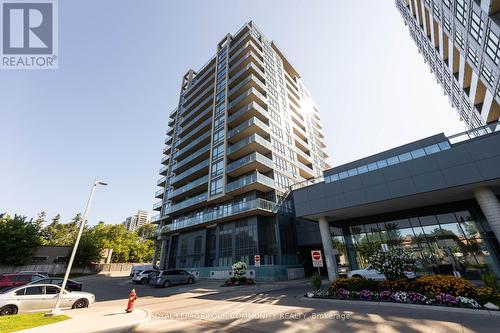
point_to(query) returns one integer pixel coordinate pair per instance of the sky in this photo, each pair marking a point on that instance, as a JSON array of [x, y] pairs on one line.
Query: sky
[[103, 113]]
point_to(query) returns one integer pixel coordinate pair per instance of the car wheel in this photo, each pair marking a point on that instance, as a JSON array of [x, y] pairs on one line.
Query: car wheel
[[144, 280], [166, 284], [190, 280], [80, 304], [8, 310]]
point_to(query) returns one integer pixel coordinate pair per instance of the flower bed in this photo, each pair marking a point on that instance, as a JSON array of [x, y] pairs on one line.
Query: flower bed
[[428, 290]]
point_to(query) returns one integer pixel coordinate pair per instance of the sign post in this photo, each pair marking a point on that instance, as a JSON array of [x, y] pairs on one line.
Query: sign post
[[317, 259], [256, 259]]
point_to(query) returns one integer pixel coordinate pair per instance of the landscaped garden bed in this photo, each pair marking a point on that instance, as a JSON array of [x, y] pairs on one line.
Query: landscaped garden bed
[[239, 278], [441, 290]]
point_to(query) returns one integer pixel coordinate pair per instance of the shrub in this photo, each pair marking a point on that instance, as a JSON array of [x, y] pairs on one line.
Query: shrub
[[415, 297], [343, 283], [239, 269], [355, 284], [490, 280], [365, 295], [468, 302], [342, 293], [316, 281], [385, 295], [393, 263], [400, 284], [433, 285], [486, 294], [400, 297], [446, 299]]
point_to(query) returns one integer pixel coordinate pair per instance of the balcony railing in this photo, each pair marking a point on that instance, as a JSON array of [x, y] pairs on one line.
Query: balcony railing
[[195, 183], [249, 159], [245, 109], [161, 181], [217, 213], [253, 178], [186, 203], [474, 133], [191, 145], [191, 157], [245, 95], [244, 125], [190, 171], [248, 140], [157, 205]]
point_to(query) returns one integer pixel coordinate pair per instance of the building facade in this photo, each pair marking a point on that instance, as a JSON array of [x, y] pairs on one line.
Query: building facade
[[437, 197], [460, 40], [244, 130], [134, 222]]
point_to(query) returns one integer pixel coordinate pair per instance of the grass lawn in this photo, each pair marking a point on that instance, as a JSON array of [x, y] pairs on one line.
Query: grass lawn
[[28, 320]]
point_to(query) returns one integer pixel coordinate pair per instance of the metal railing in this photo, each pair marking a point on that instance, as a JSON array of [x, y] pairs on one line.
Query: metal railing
[[475, 132]]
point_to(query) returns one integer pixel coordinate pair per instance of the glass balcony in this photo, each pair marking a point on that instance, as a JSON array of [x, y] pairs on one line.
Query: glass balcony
[[254, 161], [163, 170], [189, 172], [186, 203], [193, 144], [155, 218], [248, 111], [250, 81], [157, 205], [252, 125], [254, 181], [159, 193], [248, 145], [248, 96], [221, 212], [250, 68], [164, 159], [191, 157], [161, 181], [185, 139], [208, 91], [195, 120], [188, 187]]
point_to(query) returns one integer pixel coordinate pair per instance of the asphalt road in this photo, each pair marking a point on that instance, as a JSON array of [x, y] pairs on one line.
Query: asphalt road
[[274, 307]]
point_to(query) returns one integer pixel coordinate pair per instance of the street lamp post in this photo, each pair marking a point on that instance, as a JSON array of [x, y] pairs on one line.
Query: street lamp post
[[56, 311]]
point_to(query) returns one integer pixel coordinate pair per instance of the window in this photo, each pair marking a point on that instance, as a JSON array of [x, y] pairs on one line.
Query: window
[[392, 160], [404, 157], [447, 24], [461, 11], [280, 163], [216, 186], [431, 149], [217, 152], [352, 172], [362, 169], [381, 164], [220, 96], [492, 47], [218, 122], [343, 175], [372, 166], [218, 136], [459, 38], [219, 109], [217, 168], [444, 145], [51, 290], [476, 27], [418, 153], [35, 291]]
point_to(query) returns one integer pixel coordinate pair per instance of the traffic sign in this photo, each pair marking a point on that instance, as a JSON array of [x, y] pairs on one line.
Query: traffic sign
[[257, 260], [317, 258]]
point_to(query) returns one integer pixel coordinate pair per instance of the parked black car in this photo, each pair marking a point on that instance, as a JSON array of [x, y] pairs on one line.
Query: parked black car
[[70, 284]]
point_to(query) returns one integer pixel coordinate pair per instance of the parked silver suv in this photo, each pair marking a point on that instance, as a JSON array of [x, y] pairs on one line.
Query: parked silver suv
[[174, 276]]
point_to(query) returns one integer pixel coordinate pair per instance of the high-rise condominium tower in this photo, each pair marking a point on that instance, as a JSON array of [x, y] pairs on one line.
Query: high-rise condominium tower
[[245, 129], [134, 222], [459, 39]]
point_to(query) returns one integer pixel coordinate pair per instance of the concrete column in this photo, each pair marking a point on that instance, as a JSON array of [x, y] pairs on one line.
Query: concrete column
[[491, 208], [155, 254], [163, 254], [326, 239]]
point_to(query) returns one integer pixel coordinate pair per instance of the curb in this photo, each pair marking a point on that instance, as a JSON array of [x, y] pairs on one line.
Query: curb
[[480, 312], [126, 327]]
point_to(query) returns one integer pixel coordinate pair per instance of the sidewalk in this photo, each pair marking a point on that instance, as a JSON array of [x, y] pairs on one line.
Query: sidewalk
[[105, 319]]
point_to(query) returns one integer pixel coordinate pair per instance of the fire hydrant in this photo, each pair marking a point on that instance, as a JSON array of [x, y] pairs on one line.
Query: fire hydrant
[[131, 299]]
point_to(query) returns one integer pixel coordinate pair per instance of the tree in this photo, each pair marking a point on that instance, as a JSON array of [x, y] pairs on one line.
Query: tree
[[147, 231], [59, 234], [40, 220], [88, 250], [19, 239]]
